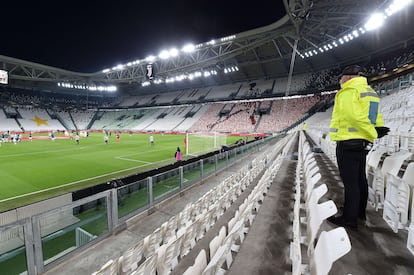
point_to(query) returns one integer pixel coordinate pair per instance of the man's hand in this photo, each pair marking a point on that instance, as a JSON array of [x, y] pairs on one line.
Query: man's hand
[[382, 131]]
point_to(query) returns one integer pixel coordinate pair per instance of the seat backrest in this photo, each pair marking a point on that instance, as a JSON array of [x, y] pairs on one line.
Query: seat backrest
[[132, 257], [409, 174], [217, 242], [331, 246], [215, 262], [200, 263], [317, 214], [315, 195], [310, 184]]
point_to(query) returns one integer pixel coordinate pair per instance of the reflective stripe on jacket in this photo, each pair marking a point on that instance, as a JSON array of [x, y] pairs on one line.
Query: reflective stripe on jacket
[[356, 112]]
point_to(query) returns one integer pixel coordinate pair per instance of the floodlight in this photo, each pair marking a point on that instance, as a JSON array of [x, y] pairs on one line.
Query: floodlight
[[173, 52], [112, 89], [164, 54], [119, 67], [237, 68], [225, 70], [150, 58], [188, 48], [190, 76], [396, 6], [355, 33], [106, 71], [375, 21]]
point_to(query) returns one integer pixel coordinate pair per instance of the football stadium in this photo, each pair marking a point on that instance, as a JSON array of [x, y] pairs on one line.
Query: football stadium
[[214, 157]]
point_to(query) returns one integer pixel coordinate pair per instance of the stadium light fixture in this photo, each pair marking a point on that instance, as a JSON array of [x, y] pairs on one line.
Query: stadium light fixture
[[164, 54], [396, 6], [106, 71], [375, 21], [188, 48], [150, 58], [173, 52]]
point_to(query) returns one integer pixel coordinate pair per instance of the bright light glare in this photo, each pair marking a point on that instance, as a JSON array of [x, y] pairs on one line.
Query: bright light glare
[[173, 52], [188, 48], [375, 21], [396, 6], [150, 58], [164, 55]]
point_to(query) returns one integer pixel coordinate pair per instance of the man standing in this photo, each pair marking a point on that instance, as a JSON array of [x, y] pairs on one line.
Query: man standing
[[356, 122]]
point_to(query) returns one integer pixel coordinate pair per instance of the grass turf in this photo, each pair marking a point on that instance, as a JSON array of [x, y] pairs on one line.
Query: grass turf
[[40, 169]]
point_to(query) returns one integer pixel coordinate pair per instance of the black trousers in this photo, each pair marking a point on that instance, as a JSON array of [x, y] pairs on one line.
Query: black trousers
[[351, 157]]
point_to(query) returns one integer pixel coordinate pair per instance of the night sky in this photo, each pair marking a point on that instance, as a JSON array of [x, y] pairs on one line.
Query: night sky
[[88, 36]]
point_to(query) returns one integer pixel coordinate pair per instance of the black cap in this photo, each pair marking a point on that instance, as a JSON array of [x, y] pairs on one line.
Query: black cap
[[354, 70]]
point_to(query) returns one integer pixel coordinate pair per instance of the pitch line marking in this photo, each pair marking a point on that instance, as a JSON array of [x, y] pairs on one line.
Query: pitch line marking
[[134, 160], [72, 183]]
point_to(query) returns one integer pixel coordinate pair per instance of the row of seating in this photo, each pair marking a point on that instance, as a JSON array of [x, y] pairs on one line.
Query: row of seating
[[390, 170], [330, 245], [223, 246], [390, 182], [161, 251]]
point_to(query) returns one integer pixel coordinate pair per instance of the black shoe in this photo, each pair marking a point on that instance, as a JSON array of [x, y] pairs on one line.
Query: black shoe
[[340, 221]]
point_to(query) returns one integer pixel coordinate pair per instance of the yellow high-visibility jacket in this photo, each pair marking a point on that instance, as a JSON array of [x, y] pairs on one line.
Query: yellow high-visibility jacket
[[356, 112], [305, 127]]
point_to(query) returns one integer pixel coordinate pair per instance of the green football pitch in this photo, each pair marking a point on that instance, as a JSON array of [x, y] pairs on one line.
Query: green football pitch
[[35, 170]]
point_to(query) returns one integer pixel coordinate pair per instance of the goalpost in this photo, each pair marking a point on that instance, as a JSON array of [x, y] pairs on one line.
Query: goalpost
[[203, 142]]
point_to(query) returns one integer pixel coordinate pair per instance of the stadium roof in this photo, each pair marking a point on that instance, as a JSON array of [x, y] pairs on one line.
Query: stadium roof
[[262, 53]]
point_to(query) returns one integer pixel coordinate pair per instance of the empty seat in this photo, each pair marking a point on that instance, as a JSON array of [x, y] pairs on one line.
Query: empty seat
[[217, 241], [331, 246], [131, 258], [199, 265], [149, 267], [109, 268]]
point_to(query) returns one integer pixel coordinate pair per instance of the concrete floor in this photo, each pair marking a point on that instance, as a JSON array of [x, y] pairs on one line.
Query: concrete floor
[[265, 250]]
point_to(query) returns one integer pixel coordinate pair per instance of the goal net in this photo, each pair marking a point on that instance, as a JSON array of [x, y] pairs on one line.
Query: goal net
[[203, 142]]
